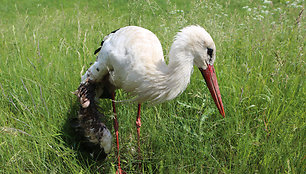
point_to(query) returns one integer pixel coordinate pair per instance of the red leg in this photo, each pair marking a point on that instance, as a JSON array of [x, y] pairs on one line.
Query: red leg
[[138, 125], [117, 133]]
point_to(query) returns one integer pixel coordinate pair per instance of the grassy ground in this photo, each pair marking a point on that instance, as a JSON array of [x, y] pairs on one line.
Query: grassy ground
[[260, 67]]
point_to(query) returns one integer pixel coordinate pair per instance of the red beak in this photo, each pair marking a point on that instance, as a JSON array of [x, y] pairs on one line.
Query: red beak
[[212, 84]]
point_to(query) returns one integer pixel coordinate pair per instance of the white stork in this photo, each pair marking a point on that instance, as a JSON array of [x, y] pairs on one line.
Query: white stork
[[131, 58]]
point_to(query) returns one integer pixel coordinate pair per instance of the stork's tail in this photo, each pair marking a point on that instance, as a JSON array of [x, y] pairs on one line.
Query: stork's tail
[[88, 124]]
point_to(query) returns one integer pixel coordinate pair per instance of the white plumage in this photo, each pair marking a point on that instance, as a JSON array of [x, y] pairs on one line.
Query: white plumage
[[134, 59]]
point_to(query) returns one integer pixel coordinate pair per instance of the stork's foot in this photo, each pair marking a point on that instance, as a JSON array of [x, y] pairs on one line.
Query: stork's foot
[[120, 171], [139, 158]]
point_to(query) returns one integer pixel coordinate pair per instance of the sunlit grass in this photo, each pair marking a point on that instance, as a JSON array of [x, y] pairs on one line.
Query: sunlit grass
[[260, 67]]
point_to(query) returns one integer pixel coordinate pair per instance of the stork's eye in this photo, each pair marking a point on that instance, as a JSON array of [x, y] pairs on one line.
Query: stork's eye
[[210, 52]]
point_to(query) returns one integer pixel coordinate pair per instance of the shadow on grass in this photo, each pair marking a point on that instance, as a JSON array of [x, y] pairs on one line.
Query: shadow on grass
[[88, 154]]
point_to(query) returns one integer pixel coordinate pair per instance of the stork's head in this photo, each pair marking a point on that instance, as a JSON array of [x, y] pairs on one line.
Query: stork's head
[[203, 49]]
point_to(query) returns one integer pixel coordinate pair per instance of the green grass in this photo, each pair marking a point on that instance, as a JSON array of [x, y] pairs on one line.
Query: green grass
[[260, 65]]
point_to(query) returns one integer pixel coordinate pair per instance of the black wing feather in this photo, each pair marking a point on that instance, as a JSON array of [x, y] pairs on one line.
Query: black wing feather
[[97, 50]]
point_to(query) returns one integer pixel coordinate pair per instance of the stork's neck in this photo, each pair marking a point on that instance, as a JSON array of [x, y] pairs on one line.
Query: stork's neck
[[165, 82], [171, 80], [180, 68]]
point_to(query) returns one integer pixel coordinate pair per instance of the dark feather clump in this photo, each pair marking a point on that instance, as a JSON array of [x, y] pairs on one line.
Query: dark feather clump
[[88, 124]]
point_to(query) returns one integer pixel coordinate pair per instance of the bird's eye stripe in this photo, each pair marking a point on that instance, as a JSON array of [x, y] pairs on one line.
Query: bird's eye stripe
[[210, 51]]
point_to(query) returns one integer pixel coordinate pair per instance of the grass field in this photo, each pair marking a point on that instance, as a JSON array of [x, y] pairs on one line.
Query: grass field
[[260, 65]]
